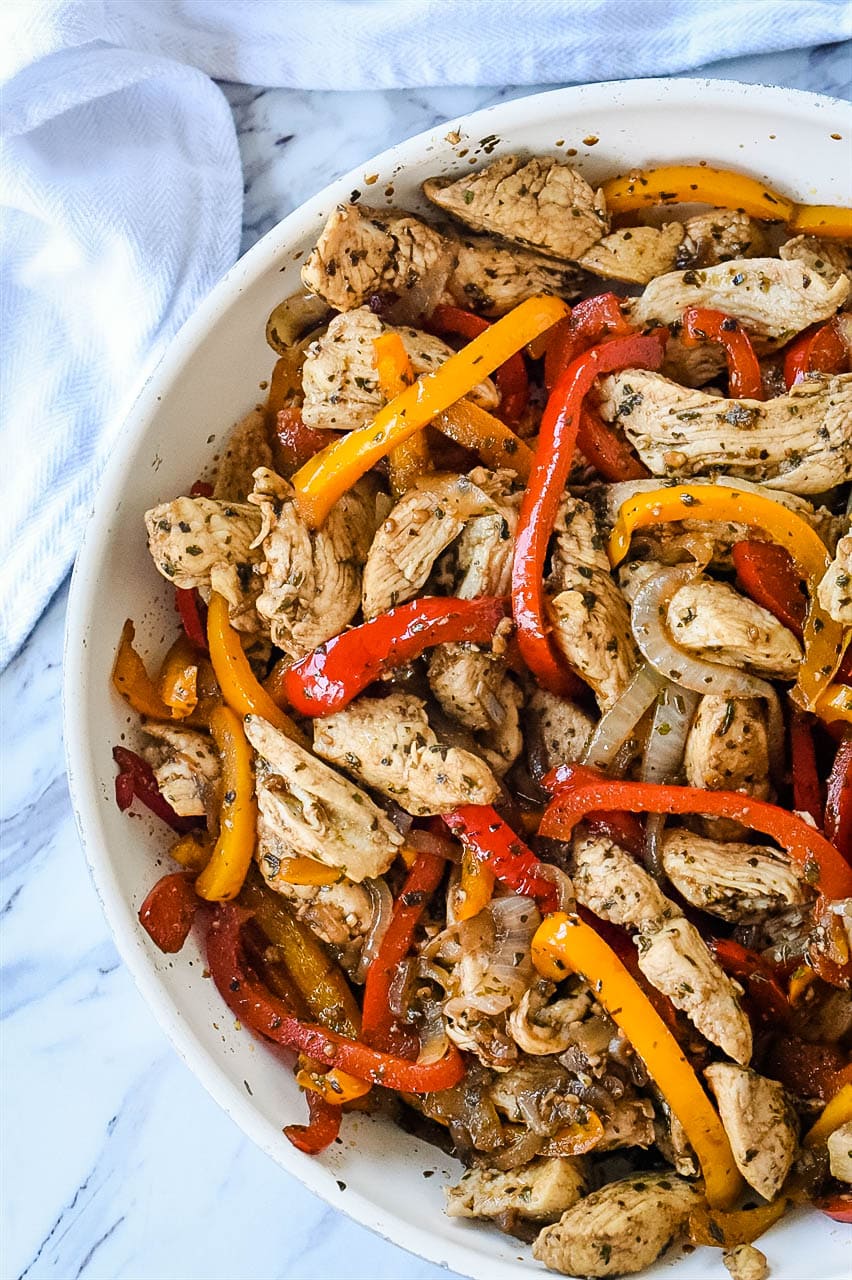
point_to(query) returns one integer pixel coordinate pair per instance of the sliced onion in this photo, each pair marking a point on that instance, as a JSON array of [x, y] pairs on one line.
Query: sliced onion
[[401, 990], [293, 318], [565, 896], [669, 729], [382, 904], [434, 1040], [428, 842], [653, 850], [418, 302], [650, 607], [616, 724]]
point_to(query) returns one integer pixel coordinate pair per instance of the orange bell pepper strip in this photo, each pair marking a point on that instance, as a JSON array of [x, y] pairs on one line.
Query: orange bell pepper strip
[[577, 1138], [829, 222], [192, 851], [307, 871], [563, 944], [230, 860], [583, 791], [411, 458], [322, 480], [240, 688], [739, 1226], [133, 682], [177, 684], [836, 1112], [475, 428], [823, 637], [476, 885], [693, 183]]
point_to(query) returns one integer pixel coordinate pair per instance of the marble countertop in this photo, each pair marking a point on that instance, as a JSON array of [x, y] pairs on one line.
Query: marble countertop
[[116, 1164]]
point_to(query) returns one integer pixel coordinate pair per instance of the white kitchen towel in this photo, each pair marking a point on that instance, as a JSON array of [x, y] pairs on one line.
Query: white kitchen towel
[[121, 189]]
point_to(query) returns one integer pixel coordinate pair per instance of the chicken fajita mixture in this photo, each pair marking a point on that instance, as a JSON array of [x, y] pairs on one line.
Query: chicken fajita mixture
[[506, 737]]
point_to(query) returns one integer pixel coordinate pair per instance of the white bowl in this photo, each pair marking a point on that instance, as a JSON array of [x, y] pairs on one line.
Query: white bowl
[[210, 377]]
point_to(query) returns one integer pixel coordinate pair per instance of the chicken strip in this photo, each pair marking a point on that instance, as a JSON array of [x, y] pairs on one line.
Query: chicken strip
[[186, 766], [563, 728], [474, 688], [720, 235], [713, 620], [673, 956], [635, 254], [423, 523], [726, 748], [247, 448], [738, 882], [835, 589], [614, 886], [339, 376], [311, 578], [760, 1124], [540, 204], [620, 1229], [309, 810], [540, 1190], [388, 744], [210, 545], [493, 278], [591, 624], [840, 1153], [487, 543], [745, 1262], [827, 258], [364, 252], [801, 441]]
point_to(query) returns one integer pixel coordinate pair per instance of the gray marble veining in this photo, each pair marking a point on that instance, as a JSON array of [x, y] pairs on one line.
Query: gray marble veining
[[116, 1165]]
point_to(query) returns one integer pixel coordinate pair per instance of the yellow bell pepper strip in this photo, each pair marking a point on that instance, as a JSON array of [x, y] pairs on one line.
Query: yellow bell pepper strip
[[192, 851], [476, 885], [823, 637], [322, 480], [829, 222], [411, 458], [230, 860], [835, 703], [307, 871], [739, 1226], [693, 183], [177, 683], [564, 944], [133, 682], [241, 690], [577, 1138], [580, 791], [837, 1112], [475, 428]]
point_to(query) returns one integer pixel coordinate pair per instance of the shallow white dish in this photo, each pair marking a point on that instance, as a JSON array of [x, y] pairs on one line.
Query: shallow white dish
[[210, 377]]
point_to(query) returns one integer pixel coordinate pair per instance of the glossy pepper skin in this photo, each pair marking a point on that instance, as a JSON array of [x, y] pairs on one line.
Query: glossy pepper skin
[[807, 788], [767, 573], [223, 876], [582, 791], [322, 480], [510, 377], [481, 830], [474, 428], [838, 804], [168, 912], [565, 944], [685, 183], [821, 349], [336, 672], [554, 454], [590, 322], [263, 1013], [702, 324], [136, 779]]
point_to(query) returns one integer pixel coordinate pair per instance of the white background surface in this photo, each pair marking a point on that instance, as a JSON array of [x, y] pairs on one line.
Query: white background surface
[[115, 1164]]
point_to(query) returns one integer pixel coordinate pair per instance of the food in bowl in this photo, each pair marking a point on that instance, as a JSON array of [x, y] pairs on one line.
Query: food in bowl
[[505, 733]]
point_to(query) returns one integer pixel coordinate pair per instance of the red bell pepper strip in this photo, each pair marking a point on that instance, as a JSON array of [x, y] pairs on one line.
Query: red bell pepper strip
[[263, 1013], [838, 801], [809, 1069], [623, 829], [608, 453], [581, 792], [337, 671], [168, 912], [702, 324], [296, 441], [552, 462], [193, 616], [592, 320], [757, 976], [766, 572], [136, 779], [321, 1130], [807, 788], [481, 829], [377, 1019], [821, 349], [838, 1207], [511, 377]]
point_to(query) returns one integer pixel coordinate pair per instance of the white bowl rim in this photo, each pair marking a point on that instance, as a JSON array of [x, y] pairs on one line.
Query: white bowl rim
[[83, 602]]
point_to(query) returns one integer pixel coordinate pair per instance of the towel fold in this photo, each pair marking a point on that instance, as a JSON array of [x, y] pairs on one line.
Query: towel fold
[[121, 189]]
